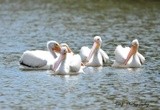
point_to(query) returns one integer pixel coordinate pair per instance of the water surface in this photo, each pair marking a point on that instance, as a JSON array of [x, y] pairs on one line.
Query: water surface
[[28, 25]]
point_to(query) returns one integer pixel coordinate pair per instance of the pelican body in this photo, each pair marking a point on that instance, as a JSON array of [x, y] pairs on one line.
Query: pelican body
[[128, 57], [39, 59], [67, 63], [95, 56]]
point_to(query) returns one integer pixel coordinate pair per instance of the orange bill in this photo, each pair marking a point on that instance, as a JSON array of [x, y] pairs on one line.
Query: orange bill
[[58, 62], [132, 51], [94, 47]]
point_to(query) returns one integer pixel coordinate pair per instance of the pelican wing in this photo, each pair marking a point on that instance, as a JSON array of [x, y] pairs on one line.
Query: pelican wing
[[141, 58], [121, 54], [35, 59], [84, 53], [75, 63], [104, 55]]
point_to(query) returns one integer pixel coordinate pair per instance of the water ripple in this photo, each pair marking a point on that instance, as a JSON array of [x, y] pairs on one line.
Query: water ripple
[[25, 26]]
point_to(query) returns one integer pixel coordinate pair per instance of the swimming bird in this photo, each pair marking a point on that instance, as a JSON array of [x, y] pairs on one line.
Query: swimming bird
[[128, 57], [95, 56], [39, 59], [67, 63], [74, 58]]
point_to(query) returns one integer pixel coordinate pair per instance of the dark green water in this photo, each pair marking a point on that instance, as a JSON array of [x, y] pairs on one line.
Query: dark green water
[[28, 25]]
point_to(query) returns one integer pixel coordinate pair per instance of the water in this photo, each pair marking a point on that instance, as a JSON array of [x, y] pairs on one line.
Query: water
[[28, 25]]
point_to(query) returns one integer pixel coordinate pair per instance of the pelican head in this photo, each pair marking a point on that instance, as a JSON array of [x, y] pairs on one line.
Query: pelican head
[[64, 51], [98, 41], [68, 48], [133, 50], [96, 46], [62, 56], [53, 46]]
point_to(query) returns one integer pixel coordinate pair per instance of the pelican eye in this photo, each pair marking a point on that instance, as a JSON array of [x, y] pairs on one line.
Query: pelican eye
[[134, 44], [56, 45], [98, 40]]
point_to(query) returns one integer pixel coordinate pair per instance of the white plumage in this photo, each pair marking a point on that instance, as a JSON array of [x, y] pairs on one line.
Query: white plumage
[[40, 59], [128, 57], [67, 63], [95, 56]]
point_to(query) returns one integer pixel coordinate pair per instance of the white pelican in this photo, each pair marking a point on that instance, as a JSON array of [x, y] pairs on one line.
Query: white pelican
[[94, 56], [40, 59], [75, 59], [67, 63], [128, 57]]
